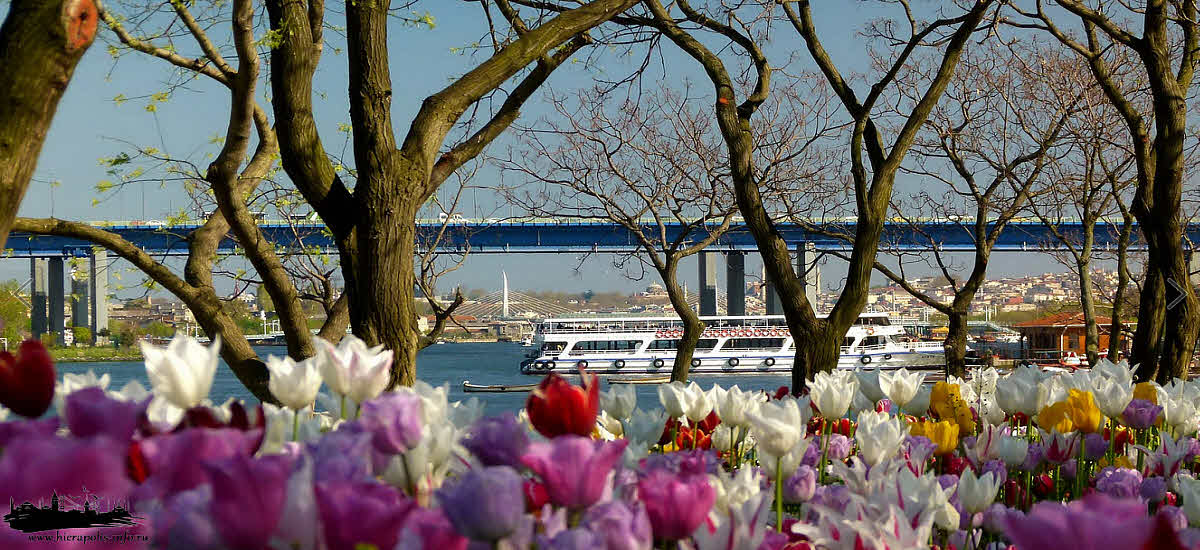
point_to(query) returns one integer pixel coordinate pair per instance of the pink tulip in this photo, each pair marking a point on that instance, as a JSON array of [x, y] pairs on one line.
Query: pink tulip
[[574, 469], [676, 504]]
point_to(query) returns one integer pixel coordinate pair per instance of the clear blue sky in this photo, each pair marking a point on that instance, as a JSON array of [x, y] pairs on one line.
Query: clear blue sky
[[90, 125]]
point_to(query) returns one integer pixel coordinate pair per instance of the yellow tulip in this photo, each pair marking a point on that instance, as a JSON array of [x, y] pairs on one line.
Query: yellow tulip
[[944, 434], [1081, 406], [948, 405], [1121, 461], [1056, 418], [1147, 391]]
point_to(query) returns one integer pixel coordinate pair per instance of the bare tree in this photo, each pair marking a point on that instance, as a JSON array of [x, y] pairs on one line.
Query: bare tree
[[41, 41], [1165, 54], [988, 143]]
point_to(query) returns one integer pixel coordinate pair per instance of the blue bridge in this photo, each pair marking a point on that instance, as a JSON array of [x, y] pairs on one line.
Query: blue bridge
[[457, 235], [558, 236]]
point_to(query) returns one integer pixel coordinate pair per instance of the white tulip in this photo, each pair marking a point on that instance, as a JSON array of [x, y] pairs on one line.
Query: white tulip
[[72, 383], [282, 426], [734, 489], [832, 392], [732, 405], [610, 428], [977, 493], [1051, 391], [674, 397], [1181, 414], [778, 426], [295, 384], [464, 413], [919, 404], [879, 436], [723, 437], [1111, 396], [868, 384], [1118, 373], [1189, 489], [698, 404], [619, 401], [645, 427], [786, 462], [1018, 391], [183, 371], [352, 369], [900, 385], [435, 403], [1012, 450]]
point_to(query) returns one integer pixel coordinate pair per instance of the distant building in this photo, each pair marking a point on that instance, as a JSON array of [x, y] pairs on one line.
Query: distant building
[[1061, 332]]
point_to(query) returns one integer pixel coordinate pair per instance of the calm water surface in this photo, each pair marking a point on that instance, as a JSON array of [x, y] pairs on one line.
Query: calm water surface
[[492, 363]]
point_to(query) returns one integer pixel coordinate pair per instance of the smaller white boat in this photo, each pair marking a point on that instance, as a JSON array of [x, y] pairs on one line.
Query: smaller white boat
[[528, 341], [496, 388]]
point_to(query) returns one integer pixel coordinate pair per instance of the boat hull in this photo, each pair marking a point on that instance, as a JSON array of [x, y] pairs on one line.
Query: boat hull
[[728, 365]]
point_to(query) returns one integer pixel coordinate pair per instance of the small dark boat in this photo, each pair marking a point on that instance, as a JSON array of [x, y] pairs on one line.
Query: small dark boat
[[495, 388], [639, 380]]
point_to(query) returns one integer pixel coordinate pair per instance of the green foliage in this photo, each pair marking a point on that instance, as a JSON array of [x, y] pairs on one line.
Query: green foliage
[[83, 335], [14, 314], [264, 299]]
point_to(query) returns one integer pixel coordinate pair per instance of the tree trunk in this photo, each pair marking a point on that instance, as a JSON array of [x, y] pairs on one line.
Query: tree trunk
[[815, 351], [693, 327], [1117, 328], [1147, 336], [955, 344], [41, 41], [1087, 301]]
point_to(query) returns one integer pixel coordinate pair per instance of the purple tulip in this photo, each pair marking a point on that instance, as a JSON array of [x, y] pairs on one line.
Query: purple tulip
[[997, 468], [1175, 517], [22, 429], [693, 462], [996, 515], [1094, 446], [1153, 489], [574, 469], [1190, 537], [1069, 469], [812, 455], [90, 411], [839, 447], [835, 497], [1119, 482], [247, 498], [1140, 414], [428, 529], [916, 450], [947, 480], [176, 461], [299, 521], [184, 521], [1094, 522], [1034, 457], [342, 455], [485, 504], [801, 486], [676, 505], [623, 526], [394, 422], [354, 513], [497, 441], [34, 468], [572, 539]]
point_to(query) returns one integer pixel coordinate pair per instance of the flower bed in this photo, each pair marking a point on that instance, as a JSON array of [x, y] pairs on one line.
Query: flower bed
[[867, 459]]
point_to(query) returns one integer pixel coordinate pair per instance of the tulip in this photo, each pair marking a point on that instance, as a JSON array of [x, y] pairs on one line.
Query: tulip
[[1056, 418], [619, 401], [1092, 523], [1147, 391], [248, 496], [868, 384], [675, 504], [294, 384], [1083, 411], [355, 514], [623, 525], [832, 392], [1017, 392], [1119, 482], [1181, 414], [71, 383], [90, 412], [645, 427], [777, 426], [1059, 447], [733, 405], [900, 385], [557, 407], [879, 436], [977, 493], [485, 504], [27, 380], [183, 371], [674, 398], [33, 467], [1189, 489], [1112, 398], [428, 529], [801, 486], [574, 469], [944, 434], [919, 405], [698, 403], [497, 441], [1012, 450], [394, 421], [353, 370], [1140, 414]]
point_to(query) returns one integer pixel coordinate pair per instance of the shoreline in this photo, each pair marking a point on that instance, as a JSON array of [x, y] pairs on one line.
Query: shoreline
[[94, 354]]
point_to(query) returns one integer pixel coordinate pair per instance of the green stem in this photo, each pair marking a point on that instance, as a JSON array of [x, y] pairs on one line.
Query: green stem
[[779, 494], [1079, 468], [296, 426], [824, 451], [343, 413]]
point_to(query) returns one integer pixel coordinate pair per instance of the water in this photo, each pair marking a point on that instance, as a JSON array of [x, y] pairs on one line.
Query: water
[[490, 363]]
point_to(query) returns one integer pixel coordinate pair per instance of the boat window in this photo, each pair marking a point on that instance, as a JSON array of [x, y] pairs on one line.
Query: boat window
[[847, 341], [753, 344], [870, 341], [553, 346], [706, 344], [606, 345], [664, 344]]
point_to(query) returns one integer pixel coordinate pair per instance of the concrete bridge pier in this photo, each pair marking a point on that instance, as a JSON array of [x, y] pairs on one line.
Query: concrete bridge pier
[[735, 283], [39, 323], [79, 302], [708, 283], [98, 291], [56, 299], [810, 279]]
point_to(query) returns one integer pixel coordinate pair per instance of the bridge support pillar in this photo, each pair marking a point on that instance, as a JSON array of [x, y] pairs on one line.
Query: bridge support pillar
[[98, 291], [79, 302], [708, 283], [38, 322], [735, 283], [771, 296], [809, 273], [57, 299]]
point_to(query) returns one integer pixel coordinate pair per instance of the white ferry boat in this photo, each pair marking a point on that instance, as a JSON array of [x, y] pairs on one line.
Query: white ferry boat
[[729, 345]]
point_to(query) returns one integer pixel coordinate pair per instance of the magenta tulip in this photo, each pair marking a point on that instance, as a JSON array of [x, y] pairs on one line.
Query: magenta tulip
[[677, 505], [574, 469]]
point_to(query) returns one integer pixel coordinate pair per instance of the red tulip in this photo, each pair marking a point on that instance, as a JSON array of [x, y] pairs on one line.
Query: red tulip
[[27, 380], [709, 423], [536, 495], [557, 407], [1043, 485], [780, 393]]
